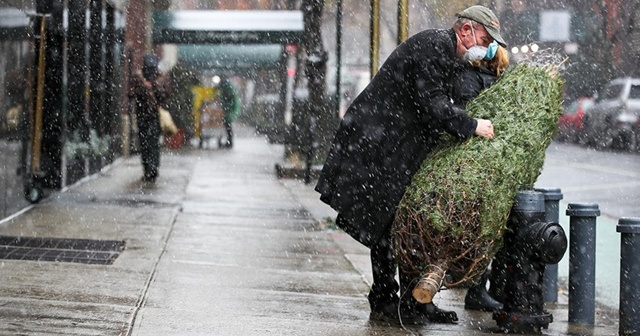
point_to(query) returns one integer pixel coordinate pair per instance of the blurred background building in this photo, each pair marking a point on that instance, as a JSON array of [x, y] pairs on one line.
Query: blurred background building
[[92, 46]]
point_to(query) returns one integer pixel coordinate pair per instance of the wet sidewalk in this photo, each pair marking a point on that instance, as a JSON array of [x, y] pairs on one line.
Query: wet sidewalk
[[217, 246]]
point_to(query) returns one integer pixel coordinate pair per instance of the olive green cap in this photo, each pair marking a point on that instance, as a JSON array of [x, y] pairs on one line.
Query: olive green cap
[[485, 17]]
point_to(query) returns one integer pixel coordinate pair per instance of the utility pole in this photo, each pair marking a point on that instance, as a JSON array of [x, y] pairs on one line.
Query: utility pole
[[374, 33]]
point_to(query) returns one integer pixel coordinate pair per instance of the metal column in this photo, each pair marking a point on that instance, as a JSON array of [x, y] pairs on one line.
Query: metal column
[[582, 262], [96, 66], [629, 269], [374, 29], [403, 20], [338, 94]]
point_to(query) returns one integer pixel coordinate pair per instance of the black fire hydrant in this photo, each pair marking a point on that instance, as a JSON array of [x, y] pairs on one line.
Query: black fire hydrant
[[518, 269]]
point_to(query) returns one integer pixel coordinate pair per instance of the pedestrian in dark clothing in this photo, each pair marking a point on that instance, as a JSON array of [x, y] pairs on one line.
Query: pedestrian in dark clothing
[[386, 133], [478, 76], [471, 82], [228, 97], [149, 90]]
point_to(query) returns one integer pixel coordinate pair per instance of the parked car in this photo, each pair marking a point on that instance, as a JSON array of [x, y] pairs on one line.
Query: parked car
[[570, 126], [613, 121]]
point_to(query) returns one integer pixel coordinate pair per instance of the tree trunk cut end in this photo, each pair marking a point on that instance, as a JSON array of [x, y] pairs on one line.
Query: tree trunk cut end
[[428, 285]]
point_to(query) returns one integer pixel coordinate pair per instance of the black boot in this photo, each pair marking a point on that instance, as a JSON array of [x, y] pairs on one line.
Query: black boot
[[478, 298], [434, 314], [424, 312]]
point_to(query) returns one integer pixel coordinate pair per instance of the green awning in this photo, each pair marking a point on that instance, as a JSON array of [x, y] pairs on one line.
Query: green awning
[[227, 27], [230, 56]]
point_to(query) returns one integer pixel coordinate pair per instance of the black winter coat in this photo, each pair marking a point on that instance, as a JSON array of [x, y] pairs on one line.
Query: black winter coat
[[471, 82], [389, 129]]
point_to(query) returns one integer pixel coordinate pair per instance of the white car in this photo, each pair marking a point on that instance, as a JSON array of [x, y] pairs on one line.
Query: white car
[[614, 119]]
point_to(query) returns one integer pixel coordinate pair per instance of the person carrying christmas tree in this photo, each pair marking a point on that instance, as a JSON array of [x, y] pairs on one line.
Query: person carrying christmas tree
[[387, 131]]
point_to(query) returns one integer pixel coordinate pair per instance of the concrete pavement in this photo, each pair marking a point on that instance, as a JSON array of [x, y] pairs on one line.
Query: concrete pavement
[[218, 246]]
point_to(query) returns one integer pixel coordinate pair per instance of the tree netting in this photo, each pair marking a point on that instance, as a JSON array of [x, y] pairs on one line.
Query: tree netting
[[453, 215]]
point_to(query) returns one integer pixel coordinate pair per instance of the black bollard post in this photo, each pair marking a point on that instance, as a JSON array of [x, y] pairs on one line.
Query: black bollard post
[[629, 227], [582, 262], [552, 199], [310, 150]]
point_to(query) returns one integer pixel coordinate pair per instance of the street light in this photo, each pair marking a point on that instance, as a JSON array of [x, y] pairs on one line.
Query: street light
[[525, 48]]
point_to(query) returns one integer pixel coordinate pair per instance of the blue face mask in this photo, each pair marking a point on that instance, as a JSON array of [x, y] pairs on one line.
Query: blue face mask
[[491, 50], [477, 53]]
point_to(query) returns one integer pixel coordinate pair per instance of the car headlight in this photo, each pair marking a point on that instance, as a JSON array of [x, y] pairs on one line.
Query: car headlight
[[627, 118]]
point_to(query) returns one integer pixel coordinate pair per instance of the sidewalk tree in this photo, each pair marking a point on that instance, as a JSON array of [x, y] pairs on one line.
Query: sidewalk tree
[[316, 55], [313, 120], [608, 35], [605, 31], [627, 26]]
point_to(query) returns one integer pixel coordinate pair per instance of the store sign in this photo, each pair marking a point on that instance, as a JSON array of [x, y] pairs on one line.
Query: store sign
[[555, 26]]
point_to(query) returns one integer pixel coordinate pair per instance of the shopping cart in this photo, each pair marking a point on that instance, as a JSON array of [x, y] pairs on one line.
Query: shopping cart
[[211, 123]]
